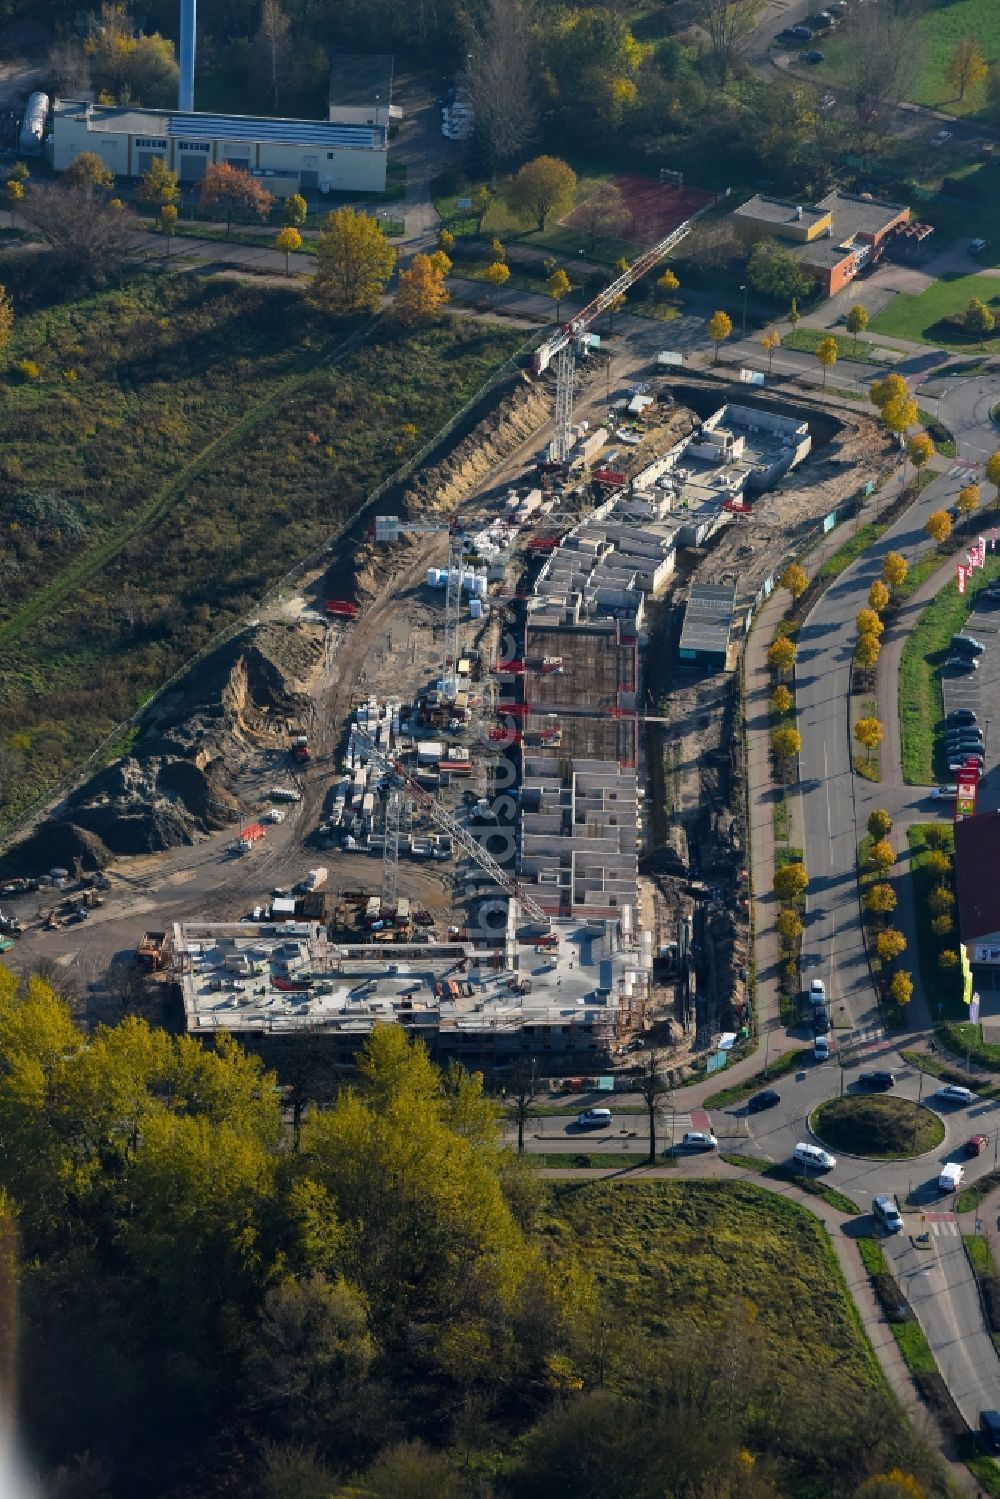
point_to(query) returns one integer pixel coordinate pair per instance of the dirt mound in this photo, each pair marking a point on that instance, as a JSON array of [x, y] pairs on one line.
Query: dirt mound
[[178, 782]]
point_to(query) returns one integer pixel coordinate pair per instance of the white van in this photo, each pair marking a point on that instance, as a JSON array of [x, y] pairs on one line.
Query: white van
[[951, 1177], [805, 1154]]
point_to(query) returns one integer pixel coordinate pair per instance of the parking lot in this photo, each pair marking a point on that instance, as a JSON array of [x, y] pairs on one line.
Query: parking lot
[[980, 691]]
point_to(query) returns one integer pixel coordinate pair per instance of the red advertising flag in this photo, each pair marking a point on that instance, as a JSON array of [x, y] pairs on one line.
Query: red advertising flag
[[961, 578]]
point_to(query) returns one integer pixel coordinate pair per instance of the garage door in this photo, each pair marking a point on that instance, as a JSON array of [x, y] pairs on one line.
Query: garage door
[[192, 166]]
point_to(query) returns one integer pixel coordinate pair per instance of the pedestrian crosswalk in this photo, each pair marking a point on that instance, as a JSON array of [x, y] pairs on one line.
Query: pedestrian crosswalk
[[962, 468], [942, 1225]]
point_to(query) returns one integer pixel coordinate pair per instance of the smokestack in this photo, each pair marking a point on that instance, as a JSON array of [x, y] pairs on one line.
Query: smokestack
[[185, 88]]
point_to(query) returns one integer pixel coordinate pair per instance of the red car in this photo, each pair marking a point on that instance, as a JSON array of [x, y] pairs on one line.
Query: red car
[[977, 1144]]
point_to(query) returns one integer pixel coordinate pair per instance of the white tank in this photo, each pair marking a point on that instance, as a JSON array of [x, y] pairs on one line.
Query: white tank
[[476, 609], [33, 125]]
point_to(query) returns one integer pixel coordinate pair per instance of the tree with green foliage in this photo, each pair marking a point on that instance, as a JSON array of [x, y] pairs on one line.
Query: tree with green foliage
[[354, 260], [295, 211], [159, 184], [558, 288], [88, 170], [540, 188], [856, 322], [775, 271], [978, 320]]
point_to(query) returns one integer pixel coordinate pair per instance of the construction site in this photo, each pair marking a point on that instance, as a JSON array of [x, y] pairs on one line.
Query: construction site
[[492, 791]]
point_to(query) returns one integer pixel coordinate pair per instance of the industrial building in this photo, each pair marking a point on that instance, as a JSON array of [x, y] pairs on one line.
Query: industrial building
[[708, 626], [474, 1002], [289, 156], [835, 240], [361, 89]]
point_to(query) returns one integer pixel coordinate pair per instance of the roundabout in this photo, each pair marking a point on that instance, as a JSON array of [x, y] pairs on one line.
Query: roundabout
[[877, 1129]]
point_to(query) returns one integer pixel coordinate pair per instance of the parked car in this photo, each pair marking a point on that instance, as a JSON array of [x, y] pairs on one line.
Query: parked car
[[820, 1022], [944, 793], [966, 645], [961, 715], [817, 992], [976, 246], [962, 663], [989, 1425], [594, 1118], [976, 1144], [968, 762], [815, 1156], [761, 1101], [827, 101], [887, 1213], [953, 1093], [812, 57], [795, 34], [698, 1139], [879, 1081], [821, 1048]]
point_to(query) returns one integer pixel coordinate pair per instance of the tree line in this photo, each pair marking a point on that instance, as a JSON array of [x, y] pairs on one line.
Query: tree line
[[198, 1300]]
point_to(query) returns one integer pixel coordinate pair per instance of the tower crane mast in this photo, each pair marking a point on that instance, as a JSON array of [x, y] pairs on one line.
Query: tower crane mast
[[401, 778], [563, 345]]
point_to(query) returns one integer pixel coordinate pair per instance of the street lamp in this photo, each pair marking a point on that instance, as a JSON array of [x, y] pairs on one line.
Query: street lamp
[[744, 290]]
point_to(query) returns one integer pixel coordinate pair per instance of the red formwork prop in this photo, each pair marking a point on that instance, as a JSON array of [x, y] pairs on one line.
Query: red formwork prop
[[655, 210]]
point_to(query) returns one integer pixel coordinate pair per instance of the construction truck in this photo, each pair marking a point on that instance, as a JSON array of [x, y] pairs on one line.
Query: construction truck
[[151, 950]]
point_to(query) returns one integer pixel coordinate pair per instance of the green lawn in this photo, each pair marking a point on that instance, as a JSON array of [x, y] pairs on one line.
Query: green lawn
[[921, 710], [807, 339], [921, 318], [880, 1129], [789, 1061], [842, 558], [939, 29]]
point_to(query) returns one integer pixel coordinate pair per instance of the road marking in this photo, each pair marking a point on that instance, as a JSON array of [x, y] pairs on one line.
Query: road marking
[[943, 1230], [829, 820]]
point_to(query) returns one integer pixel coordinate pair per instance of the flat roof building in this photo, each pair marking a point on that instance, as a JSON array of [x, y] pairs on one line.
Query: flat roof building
[[288, 155], [835, 240], [361, 88], [977, 870], [708, 625]]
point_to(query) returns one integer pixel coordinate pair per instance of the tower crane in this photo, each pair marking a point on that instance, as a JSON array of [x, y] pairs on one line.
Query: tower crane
[[563, 345], [400, 777]]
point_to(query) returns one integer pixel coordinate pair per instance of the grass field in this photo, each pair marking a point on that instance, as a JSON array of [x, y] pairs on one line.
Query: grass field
[[921, 710], [196, 440], [789, 1061], [880, 1129], [779, 1171], [673, 1252], [923, 318], [806, 341], [939, 29]]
